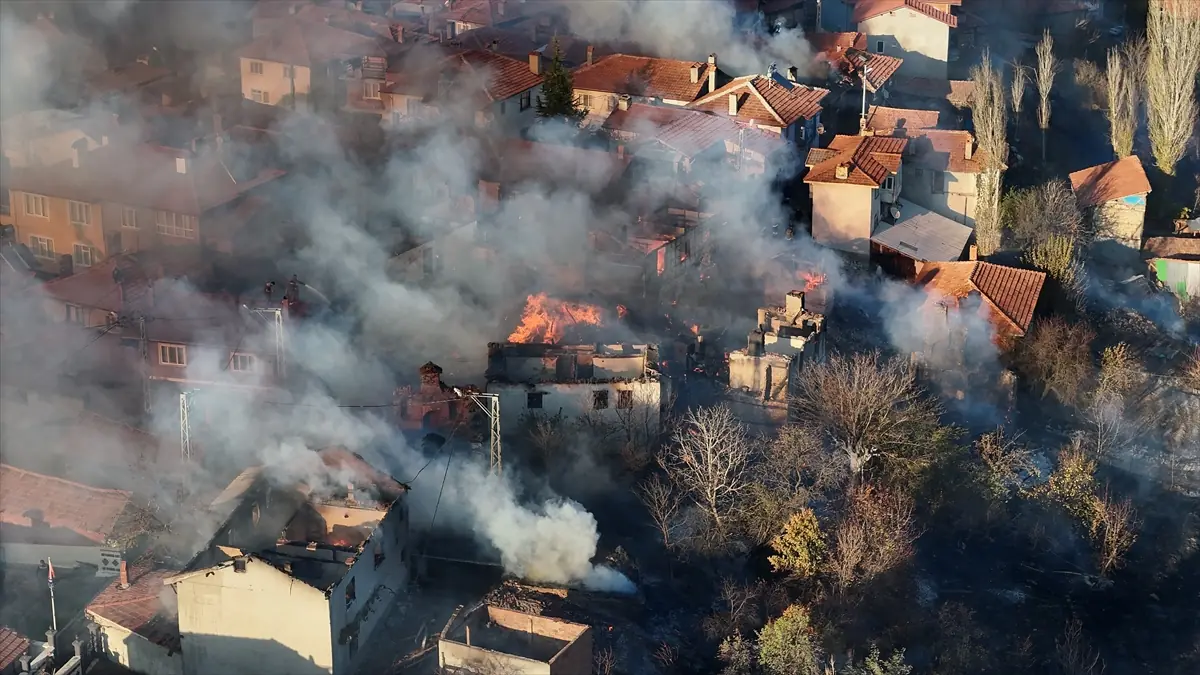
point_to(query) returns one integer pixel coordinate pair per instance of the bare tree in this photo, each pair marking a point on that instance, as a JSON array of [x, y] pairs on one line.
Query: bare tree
[[875, 535], [1122, 102], [1075, 655], [709, 459], [1038, 213], [662, 502], [1173, 58], [868, 406], [1092, 83], [1058, 354], [604, 662], [1047, 68], [1114, 530], [1017, 87], [990, 115]]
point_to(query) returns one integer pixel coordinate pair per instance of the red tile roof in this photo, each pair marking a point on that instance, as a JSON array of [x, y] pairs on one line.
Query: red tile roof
[[889, 121], [13, 646], [689, 132], [90, 512], [1179, 248], [646, 76], [847, 53], [945, 150], [768, 101], [504, 77], [1010, 295], [1106, 182], [867, 9], [140, 607], [869, 159], [142, 175]]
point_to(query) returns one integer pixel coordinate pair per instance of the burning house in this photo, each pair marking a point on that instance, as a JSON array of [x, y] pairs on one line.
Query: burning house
[[493, 639], [613, 382], [784, 339], [299, 574], [433, 405]]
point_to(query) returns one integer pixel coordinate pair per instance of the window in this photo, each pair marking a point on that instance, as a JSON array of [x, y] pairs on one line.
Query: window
[[242, 363], [83, 255], [289, 72], [35, 205], [42, 247], [75, 314], [129, 218], [879, 46], [371, 89], [172, 355], [350, 593], [585, 100], [625, 400], [175, 224], [259, 96], [600, 399], [526, 100], [533, 400], [256, 68], [81, 214], [939, 182], [889, 183]]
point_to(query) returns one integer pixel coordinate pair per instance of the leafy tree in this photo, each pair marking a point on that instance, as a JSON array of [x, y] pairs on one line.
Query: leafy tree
[[558, 91], [1071, 485], [785, 645], [737, 655], [800, 547], [875, 664]]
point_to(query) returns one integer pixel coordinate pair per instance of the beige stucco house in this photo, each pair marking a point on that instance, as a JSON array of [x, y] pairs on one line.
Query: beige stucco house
[[1113, 197], [917, 32], [297, 578], [853, 181]]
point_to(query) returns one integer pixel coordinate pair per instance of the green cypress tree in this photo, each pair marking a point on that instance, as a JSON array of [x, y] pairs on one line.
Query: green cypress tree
[[558, 91]]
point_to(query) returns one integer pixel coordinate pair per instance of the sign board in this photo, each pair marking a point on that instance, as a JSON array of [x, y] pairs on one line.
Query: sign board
[[110, 563]]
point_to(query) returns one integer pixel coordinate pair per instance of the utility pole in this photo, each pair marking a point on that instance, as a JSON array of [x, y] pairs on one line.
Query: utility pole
[[273, 317], [492, 410], [144, 349], [185, 425], [862, 120]]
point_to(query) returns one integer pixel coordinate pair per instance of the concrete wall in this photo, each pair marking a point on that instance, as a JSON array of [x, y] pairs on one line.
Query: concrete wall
[[274, 81], [261, 616], [755, 373], [922, 42], [575, 400], [956, 203], [375, 588], [136, 652], [457, 655], [1121, 220], [843, 216]]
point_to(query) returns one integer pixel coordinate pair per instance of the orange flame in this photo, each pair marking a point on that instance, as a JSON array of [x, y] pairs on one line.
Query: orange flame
[[622, 311], [544, 319], [811, 280], [695, 329]]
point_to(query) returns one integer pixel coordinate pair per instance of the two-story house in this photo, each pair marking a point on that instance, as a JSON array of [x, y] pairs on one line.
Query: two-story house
[[299, 575], [914, 30], [941, 166], [601, 82], [128, 197], [500, 92], [773, 102], [853, 181]]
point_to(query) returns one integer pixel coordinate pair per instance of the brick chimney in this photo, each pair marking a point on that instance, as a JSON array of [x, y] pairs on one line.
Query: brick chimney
[[733, 106], [124, 580], [535, 63], [695, 73], [712, 73], [623, 102], [970, 149], [972, 253], [591, 52], [431, 378], [792, 73], [842, 172], [621, 151]]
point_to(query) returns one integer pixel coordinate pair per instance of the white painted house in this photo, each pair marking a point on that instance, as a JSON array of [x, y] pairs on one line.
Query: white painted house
[[615, 383], [913, 30]]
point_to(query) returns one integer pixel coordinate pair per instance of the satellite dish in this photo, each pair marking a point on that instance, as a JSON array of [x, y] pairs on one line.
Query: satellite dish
[[895, 211]]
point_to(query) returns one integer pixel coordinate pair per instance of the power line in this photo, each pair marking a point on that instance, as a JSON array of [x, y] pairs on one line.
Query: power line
[[438, 503]]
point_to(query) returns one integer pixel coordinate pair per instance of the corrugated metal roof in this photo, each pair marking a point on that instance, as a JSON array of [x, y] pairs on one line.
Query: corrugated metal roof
[[923, 235]]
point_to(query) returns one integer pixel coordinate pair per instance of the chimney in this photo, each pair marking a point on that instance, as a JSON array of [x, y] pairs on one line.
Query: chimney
[[794, 305], [754, 343], [591, 52], [972, 253], [500, 7], [970, 150], [842, 172], [535, 63], [181, 165], [431, 377], [124, 582], [712, 73], [792, 73], [733, 104], [468, 636], [350, 493], [623, 102], [621, 151], [695, 73]]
